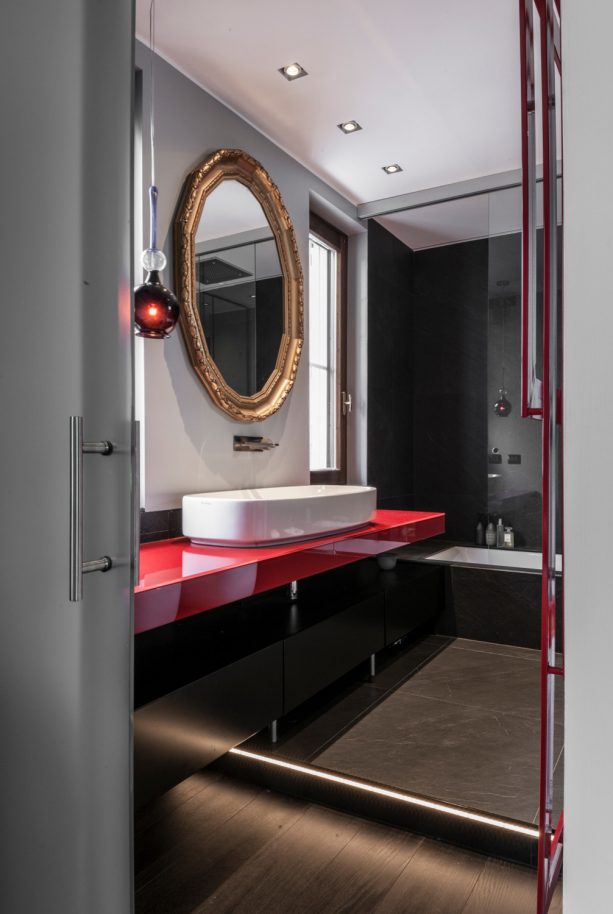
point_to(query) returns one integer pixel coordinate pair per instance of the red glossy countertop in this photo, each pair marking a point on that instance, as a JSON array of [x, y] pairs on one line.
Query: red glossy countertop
[[178, 580]]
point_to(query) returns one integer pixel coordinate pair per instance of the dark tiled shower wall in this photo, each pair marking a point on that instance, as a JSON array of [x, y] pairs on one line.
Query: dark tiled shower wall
[[159, 525], [390, 368], [450, 295], [427, 375], [433, 332]]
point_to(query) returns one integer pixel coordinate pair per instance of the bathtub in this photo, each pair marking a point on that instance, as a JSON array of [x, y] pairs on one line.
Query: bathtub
[[501, 559], [493, 594]]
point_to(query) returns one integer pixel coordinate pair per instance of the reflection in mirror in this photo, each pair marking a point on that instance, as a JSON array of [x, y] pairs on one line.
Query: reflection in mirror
[[239, 287]]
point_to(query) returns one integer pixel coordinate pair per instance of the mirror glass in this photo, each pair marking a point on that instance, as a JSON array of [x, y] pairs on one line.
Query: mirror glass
[[239, 286]]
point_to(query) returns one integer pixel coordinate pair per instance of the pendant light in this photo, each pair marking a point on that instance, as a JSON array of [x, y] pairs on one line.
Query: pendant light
[[156, 309], [502, 406]]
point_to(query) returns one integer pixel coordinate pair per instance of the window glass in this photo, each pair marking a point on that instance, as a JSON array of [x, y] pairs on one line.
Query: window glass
[[323, 321]]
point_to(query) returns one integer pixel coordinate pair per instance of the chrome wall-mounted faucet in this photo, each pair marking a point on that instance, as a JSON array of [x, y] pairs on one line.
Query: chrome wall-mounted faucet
[[253, 443]]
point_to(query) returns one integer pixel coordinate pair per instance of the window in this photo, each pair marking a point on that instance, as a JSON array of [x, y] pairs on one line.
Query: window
[[327, 343]]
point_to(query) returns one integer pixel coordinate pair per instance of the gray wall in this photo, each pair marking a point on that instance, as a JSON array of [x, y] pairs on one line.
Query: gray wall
[[65, 667], [588, 444], [187, 440]]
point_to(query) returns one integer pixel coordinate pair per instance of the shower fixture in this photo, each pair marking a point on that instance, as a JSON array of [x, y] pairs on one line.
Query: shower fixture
[[502, 406]]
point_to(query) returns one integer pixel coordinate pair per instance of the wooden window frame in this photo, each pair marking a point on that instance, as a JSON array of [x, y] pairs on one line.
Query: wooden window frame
[[337, 240]]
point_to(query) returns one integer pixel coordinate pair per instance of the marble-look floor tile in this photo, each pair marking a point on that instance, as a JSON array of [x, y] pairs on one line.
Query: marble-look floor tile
[[489, 647], [481, 680], [471, 756], [478, 678], [307, 730], [510, 650], [409, 661], [464, 728], [305, 742]]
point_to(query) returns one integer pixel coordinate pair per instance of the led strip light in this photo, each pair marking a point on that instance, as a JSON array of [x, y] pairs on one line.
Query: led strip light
[[389, 794]]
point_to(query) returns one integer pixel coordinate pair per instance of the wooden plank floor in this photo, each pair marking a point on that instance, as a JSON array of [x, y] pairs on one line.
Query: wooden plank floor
[[214, 844]]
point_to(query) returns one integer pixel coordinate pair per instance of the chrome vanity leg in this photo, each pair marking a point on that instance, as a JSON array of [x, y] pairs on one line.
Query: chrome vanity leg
[[273, 731], [373, 666], [293, 590]]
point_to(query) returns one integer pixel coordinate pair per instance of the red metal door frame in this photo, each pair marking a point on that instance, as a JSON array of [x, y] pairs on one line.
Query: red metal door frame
[[549, 408]]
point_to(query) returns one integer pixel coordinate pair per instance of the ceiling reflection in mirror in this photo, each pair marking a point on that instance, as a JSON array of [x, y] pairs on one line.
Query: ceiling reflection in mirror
[[239, 285]]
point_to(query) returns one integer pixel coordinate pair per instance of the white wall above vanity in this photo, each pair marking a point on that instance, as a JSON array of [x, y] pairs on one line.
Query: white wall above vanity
[[186, 439]]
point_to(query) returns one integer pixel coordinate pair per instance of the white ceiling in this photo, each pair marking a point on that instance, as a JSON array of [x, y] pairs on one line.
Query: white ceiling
[[434, 83], [465, 219], [443, 223]]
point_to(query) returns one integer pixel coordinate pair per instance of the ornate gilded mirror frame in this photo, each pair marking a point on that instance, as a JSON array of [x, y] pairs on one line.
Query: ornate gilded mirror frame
[[223, 165]]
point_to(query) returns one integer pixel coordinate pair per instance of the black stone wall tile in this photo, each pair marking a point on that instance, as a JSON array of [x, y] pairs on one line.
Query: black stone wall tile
[[450, 297], [153, 521], [160, 525], [152, 537], [502, 607], [175, 522], [390, 354], [403, 502]]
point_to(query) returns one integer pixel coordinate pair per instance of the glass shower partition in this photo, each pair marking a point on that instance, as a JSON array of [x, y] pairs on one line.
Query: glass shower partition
[[540, 43]]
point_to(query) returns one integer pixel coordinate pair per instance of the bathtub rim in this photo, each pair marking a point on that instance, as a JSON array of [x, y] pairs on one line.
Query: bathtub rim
[[441, 547]]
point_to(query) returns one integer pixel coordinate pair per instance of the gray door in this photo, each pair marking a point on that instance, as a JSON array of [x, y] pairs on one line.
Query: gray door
[[65, 349]]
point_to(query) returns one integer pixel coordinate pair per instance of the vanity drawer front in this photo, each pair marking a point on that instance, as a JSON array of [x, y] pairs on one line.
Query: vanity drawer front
[[413, 602], [318, 655], [189, 728]]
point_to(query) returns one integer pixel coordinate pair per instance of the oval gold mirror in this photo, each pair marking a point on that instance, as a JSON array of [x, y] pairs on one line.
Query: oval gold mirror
[[239, 283]]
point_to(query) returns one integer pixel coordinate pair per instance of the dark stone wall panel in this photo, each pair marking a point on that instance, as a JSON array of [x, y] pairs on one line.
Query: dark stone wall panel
[[390, 375], [450, 294]]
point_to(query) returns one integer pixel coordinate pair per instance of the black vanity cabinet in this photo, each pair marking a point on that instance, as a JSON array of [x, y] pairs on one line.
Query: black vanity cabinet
[[201, 686], [414, 596], [321, 653], [189, 728], [209, 682]]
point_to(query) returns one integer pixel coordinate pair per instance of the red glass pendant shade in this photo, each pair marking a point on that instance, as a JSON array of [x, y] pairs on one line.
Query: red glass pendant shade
[[156, 309]]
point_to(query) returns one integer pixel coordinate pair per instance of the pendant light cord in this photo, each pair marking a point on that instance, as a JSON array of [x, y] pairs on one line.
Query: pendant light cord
[[503, 334], [152, 88], [153, 191]]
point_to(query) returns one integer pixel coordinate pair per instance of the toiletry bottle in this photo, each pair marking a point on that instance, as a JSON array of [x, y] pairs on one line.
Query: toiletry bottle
[[509, 538], [490, 535], [499, 534], [479, 534]]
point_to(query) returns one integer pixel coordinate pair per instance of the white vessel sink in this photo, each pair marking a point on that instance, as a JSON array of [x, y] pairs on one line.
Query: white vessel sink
[[256, 517]]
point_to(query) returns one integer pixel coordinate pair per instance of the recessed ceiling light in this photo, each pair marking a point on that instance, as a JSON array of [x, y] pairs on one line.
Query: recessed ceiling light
[[293, 71], [391, 169], [349, 127]]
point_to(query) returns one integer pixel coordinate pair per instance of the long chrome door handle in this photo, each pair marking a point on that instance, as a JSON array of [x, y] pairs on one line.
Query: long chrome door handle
[[77, 567], [136, 502], [346, 403]]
